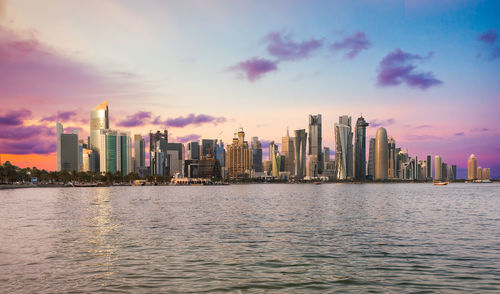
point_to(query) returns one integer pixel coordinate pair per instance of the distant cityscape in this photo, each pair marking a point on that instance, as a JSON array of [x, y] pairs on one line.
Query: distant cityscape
[[302, 156]]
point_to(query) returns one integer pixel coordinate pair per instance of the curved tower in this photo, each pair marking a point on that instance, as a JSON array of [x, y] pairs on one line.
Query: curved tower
[[472, 167], [381, 154]]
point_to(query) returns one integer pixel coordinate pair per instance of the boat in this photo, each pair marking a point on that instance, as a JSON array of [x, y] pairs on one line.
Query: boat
[[317, 183], [440, 183]]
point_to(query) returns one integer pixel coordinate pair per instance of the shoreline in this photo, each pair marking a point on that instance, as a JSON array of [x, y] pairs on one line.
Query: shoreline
[[13, 186]]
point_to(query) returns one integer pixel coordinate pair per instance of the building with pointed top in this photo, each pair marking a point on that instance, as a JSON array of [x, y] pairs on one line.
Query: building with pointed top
[[360, 149]]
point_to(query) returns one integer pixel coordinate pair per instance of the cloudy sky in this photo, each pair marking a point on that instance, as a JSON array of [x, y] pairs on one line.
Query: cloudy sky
[[428, 72]]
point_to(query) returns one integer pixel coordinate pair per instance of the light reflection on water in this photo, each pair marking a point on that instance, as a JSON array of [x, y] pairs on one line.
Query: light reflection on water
[[251, 238]]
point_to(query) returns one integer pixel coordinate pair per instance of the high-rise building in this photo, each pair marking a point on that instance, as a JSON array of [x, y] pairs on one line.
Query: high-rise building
[[193, 150], [115, 148], [428, 174], [486, 173], [139, 152], [315, 140], [479, 173], [257, 155], [392, 156], [158, 153], [288, 151], [67, 150], [472, 167], [341, 150], [371, 159], [175, 158], [360, 149], [300, 153], [220, 156], [444, 171], [438, 168], [208, 147], [313, 166], [347, 121], [98, 120], [88, 160], [381, 154], [238, 157]]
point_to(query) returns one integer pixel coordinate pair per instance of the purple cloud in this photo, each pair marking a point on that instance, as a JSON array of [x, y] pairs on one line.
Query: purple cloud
[[460, 134], [352, 44], [477, 130], [22, 132], [61, 116], [490, 39], [253, 69], [397, 68], [14, 117], [28, 140], [281, 46], [188, 138], [378, 122], [191, 119], [135, 120], [29, 147]]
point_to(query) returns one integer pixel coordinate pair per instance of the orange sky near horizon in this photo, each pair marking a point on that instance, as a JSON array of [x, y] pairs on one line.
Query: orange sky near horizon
[[47, 162]]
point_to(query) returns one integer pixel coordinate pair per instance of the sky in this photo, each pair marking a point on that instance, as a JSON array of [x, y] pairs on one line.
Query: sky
[[427, 71]]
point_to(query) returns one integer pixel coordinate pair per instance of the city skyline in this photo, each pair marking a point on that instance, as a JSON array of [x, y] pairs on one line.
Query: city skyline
[[444, 106]]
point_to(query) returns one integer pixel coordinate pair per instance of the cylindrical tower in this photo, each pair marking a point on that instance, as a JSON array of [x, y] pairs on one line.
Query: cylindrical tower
[[381, 154], [472, 167]]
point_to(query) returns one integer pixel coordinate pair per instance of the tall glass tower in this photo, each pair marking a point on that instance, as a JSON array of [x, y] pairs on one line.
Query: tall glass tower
[[360, 149], [300, 153], [98, 120], [315, 140]]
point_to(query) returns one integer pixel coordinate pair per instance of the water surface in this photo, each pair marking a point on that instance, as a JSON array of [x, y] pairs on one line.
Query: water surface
[[252, 238]]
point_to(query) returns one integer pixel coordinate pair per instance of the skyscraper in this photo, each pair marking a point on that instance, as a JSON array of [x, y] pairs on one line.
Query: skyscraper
[[288, 151], [257, 155], [438, 169], [208, 148], [300, 153], [347, 121], [341, 150], [371, 159], [158, 153], [98, 120], [193, 150], [238, 157], [472, 167], [67, 150], [428, 167], [360, 149], [115, 152], [175, 152], [392, 156], [315, 140], [220, 155], [381, 154], [139, 152]]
